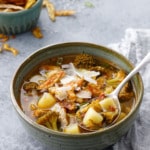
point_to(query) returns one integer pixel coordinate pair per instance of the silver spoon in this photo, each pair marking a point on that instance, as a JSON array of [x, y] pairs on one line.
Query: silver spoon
[[116, 92]]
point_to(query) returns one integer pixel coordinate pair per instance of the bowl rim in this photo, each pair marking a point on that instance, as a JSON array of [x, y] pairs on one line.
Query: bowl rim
[[21, 11], [62, 134]]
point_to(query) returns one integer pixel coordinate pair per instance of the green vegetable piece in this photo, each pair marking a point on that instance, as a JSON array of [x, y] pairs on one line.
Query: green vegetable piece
[[116, 80], [50, 120], [89, 4]]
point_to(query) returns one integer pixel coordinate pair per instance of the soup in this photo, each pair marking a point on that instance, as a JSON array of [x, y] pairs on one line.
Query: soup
[[62, 91]]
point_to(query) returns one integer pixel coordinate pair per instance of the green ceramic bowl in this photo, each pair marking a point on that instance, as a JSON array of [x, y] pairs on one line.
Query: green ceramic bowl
[[20, 21], [88, 141]]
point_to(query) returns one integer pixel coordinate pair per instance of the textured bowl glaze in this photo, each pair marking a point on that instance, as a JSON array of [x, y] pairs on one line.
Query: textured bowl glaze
[[20, 21], [88, 141]]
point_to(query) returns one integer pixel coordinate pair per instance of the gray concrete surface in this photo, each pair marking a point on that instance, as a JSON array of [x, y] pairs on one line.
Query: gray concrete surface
[[103, 24]]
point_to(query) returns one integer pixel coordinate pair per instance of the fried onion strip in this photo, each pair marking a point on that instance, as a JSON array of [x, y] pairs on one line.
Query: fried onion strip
[[3, 38], [50, 9], [11, 49], [29, 3], [15, 2], [64, 12], [10, 6], [37, 32]]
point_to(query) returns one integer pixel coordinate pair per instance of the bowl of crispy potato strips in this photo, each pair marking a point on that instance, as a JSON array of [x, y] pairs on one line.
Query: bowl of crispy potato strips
[[18, 16]]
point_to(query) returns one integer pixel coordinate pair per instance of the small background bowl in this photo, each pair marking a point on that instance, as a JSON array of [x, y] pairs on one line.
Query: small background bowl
[[88, 141], [20, 21]]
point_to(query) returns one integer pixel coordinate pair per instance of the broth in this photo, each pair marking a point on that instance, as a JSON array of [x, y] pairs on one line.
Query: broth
[[62, 89]]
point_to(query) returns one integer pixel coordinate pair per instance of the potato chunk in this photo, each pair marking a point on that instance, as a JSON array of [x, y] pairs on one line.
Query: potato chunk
[[122, 115], [92, 118], [46, 101], [72, 129], [108, 104]]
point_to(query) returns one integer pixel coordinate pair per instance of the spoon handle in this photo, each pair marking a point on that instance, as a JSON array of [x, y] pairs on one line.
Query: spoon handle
[[133, 72]]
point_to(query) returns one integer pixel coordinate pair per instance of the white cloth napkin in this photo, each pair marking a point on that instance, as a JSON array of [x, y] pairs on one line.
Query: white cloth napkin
[[135, 45]]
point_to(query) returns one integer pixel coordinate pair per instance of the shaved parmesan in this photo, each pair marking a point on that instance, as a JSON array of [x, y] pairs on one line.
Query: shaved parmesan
[[86, 74], [89, 73], [65, 66], [62, 114], [37, 78], [84, 94], [60, 92], [67, 79]]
